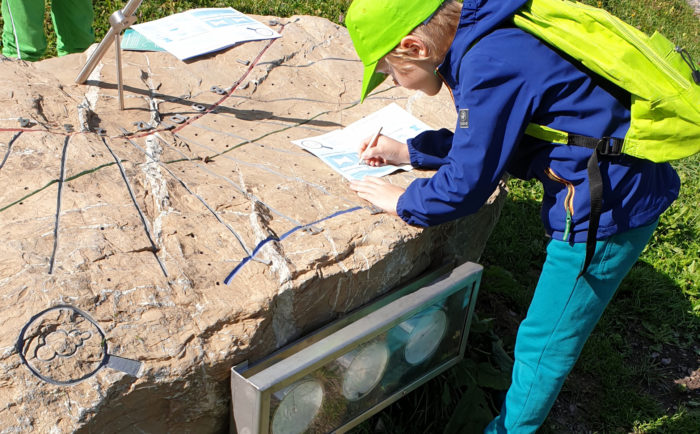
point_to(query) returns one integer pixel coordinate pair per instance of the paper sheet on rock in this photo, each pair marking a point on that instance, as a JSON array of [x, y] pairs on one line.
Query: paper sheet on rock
[[339, 148], [205, 30]]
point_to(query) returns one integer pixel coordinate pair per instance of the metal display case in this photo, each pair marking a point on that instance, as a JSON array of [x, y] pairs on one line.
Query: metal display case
[[349, 370]]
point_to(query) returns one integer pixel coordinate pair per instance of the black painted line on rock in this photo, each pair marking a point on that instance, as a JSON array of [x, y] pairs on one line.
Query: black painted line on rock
[[265, 169], [61, 180], [9, 147], [154, 249], [187, 188], [304, 122], [52, 182], [239, 188], [260, 167]]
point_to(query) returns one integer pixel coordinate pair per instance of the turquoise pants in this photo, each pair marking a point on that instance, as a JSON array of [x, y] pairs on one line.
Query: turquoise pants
[[562, 315], [23, 31]]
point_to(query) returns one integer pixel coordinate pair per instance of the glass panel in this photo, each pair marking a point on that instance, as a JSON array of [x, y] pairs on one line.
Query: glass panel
[[363, 378], [295, 407]]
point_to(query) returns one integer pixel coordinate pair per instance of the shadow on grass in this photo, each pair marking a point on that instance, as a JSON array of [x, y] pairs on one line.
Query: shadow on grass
[[640, 370]]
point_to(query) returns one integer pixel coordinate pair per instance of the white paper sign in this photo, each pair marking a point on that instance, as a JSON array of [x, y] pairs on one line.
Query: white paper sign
[[200, 31], [339, 149]]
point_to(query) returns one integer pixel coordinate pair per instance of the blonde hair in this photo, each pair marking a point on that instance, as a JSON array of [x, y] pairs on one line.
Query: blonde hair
[[436, 34]]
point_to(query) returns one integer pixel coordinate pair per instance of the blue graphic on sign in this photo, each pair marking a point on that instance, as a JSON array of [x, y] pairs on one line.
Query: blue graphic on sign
[[216, 19]]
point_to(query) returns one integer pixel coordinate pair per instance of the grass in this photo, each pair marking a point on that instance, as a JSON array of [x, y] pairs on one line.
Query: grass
[[627, 378], [333, 10]]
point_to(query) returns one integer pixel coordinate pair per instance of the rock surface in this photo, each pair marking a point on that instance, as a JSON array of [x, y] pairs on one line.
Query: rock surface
[[153, 214]]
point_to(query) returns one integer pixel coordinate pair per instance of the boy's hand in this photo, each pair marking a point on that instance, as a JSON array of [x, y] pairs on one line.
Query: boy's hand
[[387, 151], [379, 192]]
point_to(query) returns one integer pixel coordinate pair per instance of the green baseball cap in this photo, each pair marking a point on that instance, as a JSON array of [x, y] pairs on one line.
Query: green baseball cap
[[377, 26]]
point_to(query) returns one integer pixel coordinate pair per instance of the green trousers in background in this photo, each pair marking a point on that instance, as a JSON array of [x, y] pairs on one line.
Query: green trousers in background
[[23, 31]]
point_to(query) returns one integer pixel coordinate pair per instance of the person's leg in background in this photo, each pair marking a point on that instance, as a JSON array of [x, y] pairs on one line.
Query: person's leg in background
[[72, 20], [23, 30], [563, 312]]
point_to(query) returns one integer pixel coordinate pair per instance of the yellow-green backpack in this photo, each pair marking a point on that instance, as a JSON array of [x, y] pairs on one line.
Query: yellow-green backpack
[[663, 81], [661, 78]]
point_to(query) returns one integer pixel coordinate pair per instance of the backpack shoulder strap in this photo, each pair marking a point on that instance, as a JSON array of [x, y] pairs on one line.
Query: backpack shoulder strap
[[608, 146]]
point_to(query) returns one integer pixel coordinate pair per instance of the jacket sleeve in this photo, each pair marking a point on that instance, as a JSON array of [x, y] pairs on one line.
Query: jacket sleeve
[[500, 107], [429, 149]]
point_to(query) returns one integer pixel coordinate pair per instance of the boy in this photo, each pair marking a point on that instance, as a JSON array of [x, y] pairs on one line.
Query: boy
[[502, 79], [23, 30]]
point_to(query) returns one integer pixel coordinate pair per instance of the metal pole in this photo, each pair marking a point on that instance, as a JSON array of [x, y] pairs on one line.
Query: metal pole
[[117, 45], [119, 21]]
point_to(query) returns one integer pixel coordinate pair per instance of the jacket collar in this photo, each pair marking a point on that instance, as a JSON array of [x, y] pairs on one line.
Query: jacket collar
[[478, 18]]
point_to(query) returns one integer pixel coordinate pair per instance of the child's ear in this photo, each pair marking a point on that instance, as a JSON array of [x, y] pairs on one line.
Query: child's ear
[[414, 47]]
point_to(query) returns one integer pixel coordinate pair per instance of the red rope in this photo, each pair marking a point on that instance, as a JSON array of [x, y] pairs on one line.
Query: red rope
[[253, 64]]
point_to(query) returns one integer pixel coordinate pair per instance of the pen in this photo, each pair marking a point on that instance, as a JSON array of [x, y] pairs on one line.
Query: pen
[[372, 143]]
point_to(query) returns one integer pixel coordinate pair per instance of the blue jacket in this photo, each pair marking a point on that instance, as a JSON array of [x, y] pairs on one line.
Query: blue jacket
[[506, 80]]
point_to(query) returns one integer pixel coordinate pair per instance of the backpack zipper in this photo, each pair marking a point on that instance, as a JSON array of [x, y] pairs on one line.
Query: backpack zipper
[[651, 54], [568, 201]]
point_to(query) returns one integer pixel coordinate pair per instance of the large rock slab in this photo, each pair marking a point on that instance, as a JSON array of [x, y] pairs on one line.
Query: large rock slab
[[136, 217]]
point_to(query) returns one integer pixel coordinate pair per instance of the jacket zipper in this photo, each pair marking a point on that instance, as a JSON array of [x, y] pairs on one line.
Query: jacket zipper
[[568, 201]]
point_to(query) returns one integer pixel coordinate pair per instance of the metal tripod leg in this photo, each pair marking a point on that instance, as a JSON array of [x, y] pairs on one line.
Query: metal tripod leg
[[119, 21], [120, 86]]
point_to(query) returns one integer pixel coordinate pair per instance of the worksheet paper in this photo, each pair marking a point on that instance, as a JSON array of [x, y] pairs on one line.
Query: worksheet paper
[[339, 148], [200, 31]]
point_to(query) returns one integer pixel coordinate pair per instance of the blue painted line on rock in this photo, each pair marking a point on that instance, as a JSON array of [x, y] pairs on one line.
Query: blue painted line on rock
[[285, 235]]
